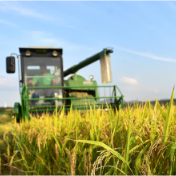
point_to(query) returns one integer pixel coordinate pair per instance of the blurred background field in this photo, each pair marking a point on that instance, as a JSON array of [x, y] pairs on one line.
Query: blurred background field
[[6, 123], [5, 115]]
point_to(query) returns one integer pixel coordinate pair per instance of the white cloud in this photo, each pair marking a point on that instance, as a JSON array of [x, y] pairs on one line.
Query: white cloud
[[148, 55], [21, 10], [128, 80], [152, 89], [47, 38], [26, 11], [10, 97], [7, 23], [7, 82], [171, 5]]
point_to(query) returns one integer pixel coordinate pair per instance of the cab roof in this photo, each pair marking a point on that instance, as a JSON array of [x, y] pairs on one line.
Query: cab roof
[[45, 49]]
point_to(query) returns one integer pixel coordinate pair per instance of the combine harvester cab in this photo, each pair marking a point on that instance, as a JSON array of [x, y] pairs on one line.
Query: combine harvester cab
[[42, 85]]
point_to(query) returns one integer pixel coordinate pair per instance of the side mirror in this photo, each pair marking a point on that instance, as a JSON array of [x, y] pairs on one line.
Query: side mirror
[[10, 64]]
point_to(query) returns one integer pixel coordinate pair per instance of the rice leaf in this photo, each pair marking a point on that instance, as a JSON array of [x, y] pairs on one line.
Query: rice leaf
[[173, 147], [127, 148], [138, 159], [168, 118]]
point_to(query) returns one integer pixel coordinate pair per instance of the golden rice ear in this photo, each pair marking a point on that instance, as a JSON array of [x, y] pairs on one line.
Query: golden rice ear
[[131, 147]]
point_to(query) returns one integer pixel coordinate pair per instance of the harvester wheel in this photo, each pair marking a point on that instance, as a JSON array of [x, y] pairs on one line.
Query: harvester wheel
[[19, 119], [17, 112]]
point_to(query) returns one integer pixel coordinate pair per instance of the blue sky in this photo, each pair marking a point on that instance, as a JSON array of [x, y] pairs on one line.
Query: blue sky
[[142, 35]]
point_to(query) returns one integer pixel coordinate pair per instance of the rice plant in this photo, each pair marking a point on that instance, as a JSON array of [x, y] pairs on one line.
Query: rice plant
[[136, 140]]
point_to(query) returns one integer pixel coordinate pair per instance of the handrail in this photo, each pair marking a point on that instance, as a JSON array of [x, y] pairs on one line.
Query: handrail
[[119, 90], [64, 87], [54, 106], [39, 76], [69, 87], [28, 99]]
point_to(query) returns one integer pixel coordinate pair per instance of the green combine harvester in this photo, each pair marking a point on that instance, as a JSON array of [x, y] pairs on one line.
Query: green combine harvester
[[43, 88]]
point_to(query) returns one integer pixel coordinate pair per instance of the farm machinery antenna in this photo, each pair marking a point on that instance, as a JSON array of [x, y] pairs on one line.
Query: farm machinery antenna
[[43, 88]]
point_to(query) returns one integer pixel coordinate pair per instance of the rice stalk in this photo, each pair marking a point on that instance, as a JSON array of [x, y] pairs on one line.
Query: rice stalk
[[127, 148]]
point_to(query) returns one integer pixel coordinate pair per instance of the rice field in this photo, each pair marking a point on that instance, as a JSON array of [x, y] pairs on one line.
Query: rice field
[[137, 140]]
